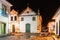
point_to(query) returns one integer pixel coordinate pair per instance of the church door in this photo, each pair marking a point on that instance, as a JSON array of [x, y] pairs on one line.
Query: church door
[[28, 28]]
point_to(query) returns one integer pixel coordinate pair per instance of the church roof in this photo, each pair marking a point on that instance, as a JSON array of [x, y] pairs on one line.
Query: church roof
[[28, 9]]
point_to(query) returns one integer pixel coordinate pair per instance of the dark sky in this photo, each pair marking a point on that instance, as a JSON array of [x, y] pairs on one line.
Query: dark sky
[[47, 7]]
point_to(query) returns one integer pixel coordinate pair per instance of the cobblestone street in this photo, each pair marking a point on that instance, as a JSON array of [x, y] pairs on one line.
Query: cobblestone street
[[28, 37]]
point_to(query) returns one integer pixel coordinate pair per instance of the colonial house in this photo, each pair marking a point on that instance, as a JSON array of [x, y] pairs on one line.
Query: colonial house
[[26, 21], [14, 22], [4, 17], [57, 21], [51, 26]]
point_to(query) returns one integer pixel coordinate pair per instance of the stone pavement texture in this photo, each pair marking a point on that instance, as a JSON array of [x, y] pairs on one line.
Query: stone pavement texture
[[28, 37]]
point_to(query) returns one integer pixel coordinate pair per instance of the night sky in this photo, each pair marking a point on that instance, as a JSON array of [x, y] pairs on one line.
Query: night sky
[[47, 7]]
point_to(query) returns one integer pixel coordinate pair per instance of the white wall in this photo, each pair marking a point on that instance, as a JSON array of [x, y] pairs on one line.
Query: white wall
[[7, 28], [28, 19], [4, 19], [11, 23]]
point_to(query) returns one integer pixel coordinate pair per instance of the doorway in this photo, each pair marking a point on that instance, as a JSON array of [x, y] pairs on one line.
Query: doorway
[[3, 26], [28, 28], [13, 28]]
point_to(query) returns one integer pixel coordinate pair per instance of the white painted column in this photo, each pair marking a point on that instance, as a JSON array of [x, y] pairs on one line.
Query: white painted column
[[7, 28]]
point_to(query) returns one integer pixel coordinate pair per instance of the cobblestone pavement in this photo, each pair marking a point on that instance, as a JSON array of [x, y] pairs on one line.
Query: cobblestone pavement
[[27, 37]]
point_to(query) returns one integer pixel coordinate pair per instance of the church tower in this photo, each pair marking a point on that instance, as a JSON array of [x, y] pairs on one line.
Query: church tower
[[39, 22]]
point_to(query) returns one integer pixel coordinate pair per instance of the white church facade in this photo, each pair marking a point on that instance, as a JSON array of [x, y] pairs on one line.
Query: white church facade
[[26, 21]]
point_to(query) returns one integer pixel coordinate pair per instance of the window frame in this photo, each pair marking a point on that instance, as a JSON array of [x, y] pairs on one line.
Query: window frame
[[11, 18], [15, 18], [22, 19], [34, 18]]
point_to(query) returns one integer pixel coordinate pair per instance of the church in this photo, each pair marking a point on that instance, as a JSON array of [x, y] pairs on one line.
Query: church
[[29, 21], [26, 22]]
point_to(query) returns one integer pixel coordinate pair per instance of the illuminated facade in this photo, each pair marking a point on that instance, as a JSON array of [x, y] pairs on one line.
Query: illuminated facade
[[4, 17], [26, 21], [51, 27], [14, 22], [29, 21], [57, 21], [11, 21]]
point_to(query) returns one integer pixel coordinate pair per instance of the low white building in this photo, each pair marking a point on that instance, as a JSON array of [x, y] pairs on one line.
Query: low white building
[[4, 16], [29, 21], [57, 21]]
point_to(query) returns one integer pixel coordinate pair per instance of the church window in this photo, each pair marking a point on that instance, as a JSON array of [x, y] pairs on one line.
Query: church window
[[27, 11], [33, 19], [22, 19], [15, 18]]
